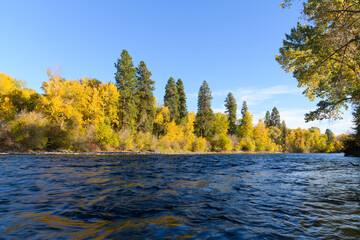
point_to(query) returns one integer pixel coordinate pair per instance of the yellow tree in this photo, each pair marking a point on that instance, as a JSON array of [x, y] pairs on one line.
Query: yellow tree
[[188, 132], [109, 103], [8, 84], [246, 126], [173, 132], [174, 135], [14, 97], [161, 119], [220, 141], [315, 141], [295, 141], [87, 101], [53, 103], [246, 129], [262, 139]]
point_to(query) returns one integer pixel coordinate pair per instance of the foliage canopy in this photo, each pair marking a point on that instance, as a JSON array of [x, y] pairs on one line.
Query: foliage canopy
[[323, 54]]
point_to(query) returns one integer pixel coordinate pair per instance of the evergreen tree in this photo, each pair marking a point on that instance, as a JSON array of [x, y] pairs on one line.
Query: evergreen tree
[[244, 109], [125, 81], [284, 132], [267, 120], [231, 107], [171, 99], [182, 99], [330, 136], [275, 135], [146, 107], [275, 118], [204, 115]]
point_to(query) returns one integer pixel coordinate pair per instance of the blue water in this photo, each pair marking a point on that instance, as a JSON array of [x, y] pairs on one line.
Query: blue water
[[285, 196]]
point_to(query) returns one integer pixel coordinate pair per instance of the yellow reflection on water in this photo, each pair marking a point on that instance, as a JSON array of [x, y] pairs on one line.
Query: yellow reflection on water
[[78, 229], [60, 226]]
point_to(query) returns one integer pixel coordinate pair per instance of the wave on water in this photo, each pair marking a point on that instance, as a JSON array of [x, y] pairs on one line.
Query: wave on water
[[275, 196]]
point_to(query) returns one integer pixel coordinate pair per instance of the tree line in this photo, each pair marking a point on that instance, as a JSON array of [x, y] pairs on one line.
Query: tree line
[[89, 115]]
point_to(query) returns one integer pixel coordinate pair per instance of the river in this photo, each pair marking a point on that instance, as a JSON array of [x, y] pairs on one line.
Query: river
[[260, 196]]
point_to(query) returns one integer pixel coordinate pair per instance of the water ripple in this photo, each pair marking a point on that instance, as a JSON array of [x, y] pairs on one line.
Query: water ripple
[[285, 196]]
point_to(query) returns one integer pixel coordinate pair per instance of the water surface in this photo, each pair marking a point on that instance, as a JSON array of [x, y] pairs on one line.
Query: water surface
[[285, 196]]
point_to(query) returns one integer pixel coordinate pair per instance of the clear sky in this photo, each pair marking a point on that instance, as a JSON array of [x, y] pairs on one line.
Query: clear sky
[[230, 44]]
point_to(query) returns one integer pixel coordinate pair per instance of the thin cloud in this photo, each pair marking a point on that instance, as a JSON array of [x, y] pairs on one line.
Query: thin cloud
[[255, 96], [192, 95], [220, 93], [219, 110]]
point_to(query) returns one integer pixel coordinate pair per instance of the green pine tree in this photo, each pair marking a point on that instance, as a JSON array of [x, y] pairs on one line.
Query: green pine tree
[[125, 81], [204, 115], [182, 99], [146, 109], [330, 136], [275, 118], [244, 109], [284, 133], [267, 120], [171, 99], [231, 106]]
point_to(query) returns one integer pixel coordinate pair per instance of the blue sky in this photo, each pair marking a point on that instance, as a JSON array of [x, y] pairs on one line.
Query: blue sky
[[230, 44]]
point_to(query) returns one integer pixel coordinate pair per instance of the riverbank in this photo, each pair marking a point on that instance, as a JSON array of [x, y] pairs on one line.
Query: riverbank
[[136, 153]]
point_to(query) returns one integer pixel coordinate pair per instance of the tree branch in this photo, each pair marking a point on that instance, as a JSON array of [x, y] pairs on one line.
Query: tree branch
[[347, 11], [327, 58]]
